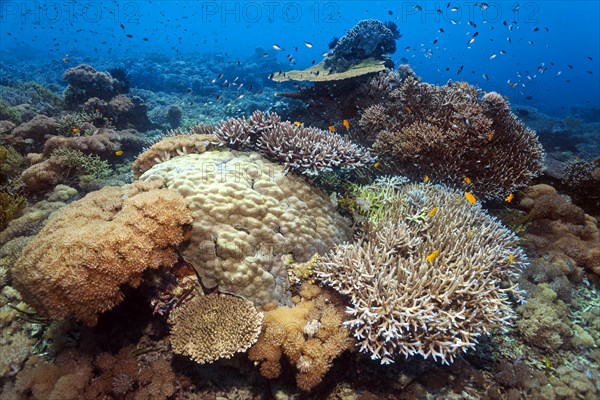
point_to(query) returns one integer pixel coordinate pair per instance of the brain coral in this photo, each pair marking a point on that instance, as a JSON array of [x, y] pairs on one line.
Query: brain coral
[[216, 326], [248, 215], [77, 263], [427, 279]]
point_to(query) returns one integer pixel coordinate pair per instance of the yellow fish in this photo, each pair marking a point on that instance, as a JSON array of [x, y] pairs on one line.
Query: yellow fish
[[75, 130], [470, 234], [467, 180], [331, 128], [511, 259], [432, 212], [509, 198], [119, 153], [346, 123], [432, 256], [426, 179], [377, 164], [470, 198], [408, 109], [297, 123]]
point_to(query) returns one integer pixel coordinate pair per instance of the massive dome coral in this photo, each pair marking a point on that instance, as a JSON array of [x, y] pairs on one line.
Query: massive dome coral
[[248, 216], [429, 278], [77, 264]]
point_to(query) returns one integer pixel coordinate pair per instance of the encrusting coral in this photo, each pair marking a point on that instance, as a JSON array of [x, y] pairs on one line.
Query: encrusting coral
[[249, 215], [452, 132], [428, 279], [215, 326], [310, 335], [76, 265], [558, 225], [172, 146], [307, 150]]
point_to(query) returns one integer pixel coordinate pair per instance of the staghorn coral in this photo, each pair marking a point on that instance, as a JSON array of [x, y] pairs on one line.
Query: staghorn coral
[[310, 335], [208, 328], [76, 265], [248, 216], [306, 150], [451, 132], [557, 225], [367, 39], [82, 164], [172, 146], [427, 279]]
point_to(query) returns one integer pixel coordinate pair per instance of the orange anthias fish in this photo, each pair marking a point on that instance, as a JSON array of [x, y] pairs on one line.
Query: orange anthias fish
[[331, 128], [297, 123], [377, 164], [511, 259], [470, 198], [346, 123], [432, 256], [75, 130], [467, 180], [509, 198], [119, 153], [426, 179], [408, 109], [432, 212]]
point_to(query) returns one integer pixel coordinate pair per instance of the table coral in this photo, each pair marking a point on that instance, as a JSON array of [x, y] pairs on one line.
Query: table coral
[[429, 278], [248, 216], [77, 264], [216, 326]]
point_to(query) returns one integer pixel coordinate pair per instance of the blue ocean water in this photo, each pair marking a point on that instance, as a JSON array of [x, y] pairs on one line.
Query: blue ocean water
[[538, 53]]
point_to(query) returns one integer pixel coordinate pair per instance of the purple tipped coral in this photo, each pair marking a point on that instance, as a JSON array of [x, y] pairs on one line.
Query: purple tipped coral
[[307, 150]]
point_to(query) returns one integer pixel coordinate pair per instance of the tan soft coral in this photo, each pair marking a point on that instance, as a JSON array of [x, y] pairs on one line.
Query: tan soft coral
[[559, 225], [76, 265], [310, 335]]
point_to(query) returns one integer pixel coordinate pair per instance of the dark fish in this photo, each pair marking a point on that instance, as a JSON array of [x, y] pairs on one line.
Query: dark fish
[[589, 58], [390, 12], [536, 29], [475, 34], [145, 39], [570, 66], [435, 41], [313, 62], [460, 70], [441, 30], [218, 97], [129, 36], [122, 26]]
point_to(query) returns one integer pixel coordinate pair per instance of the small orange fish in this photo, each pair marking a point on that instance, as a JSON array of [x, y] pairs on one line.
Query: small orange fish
[[119, 153], [467, 180], [505, 97], [511, 259], [408, 109], [432, 212], [331, 128], [463, 86], [432, 256], [470, 198], [490, 135], [297, 123], [76, 130], [426, 179], [377, 164], [346, 123], [509, 198]]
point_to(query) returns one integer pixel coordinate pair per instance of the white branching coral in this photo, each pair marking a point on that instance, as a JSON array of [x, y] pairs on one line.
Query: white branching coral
[[429, 278]]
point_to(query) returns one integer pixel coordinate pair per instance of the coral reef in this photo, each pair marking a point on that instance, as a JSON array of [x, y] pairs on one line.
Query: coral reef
[[9, 113], [559, 226], [310, 335], [76, 375], [207, 328], [450, 132], [429, 279], [10, 207], [306, 150], [85, 82], [367, 39], [173, 146], [122, 111], [77, 264], [320, 73], [583, 180], [248, 216]]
